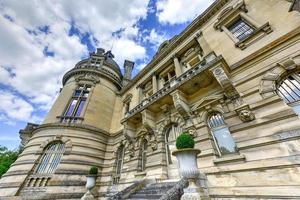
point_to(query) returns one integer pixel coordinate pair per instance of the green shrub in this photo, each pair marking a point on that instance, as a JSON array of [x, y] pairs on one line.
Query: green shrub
[[185, 140], [93, 170]]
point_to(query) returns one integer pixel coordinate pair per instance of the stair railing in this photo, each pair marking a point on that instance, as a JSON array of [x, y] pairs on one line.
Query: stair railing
[[175, 192], [123, 194]]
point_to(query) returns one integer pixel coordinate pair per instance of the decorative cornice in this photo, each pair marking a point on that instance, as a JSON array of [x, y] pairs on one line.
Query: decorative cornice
[[102, 72], [193, 27], [71, 126]]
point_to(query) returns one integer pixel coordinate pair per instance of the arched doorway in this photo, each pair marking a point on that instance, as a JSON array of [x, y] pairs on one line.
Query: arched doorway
[[170, 140]]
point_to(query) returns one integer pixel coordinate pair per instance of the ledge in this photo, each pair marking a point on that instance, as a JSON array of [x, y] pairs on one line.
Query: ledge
[[140, 174], [229, 159], [208, 62], [255, 35]]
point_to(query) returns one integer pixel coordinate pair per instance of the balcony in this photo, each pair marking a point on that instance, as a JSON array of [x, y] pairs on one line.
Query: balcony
[[174, 83]]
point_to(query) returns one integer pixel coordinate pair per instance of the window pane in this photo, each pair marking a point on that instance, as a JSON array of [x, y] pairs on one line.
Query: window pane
[[77, 93], [50, 158], [240, 29], [80, 107], [225, 141], [296, 109], [86, 93], [71, 107], [289, 89]]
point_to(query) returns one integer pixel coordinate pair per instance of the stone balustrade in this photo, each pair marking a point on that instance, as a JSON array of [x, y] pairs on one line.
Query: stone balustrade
[[173, 84]]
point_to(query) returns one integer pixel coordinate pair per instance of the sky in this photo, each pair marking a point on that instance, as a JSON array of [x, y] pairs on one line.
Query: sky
[[42, 40]]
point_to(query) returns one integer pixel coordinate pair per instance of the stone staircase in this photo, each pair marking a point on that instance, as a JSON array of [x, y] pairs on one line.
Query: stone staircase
[[152, 191]]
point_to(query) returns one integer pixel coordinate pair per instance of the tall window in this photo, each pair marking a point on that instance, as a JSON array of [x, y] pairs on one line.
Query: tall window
[[144, 155], [240, 29], [119, 163], [170, 138], [224, 141], [78, 100], [289, 90], [50, 158]]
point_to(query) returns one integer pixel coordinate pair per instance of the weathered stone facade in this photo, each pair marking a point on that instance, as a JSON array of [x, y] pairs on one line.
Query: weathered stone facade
[[208, 68]]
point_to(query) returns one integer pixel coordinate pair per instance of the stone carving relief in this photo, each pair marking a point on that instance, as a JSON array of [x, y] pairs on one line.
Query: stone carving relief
[[245, 114], [90, 77], [243, 110], [229, 12], [180, 104]]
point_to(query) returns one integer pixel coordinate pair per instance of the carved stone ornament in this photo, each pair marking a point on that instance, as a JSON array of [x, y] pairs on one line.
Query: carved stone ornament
[[245, 113], [153, 144], [180, 104], [88, 77], [129, 143]]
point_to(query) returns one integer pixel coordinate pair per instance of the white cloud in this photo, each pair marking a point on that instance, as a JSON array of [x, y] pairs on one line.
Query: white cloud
[[37, 77], [178, 11], [156, 38], [13, 107]]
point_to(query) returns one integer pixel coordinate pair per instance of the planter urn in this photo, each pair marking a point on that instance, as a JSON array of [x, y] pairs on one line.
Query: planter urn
[[90, 184], [188, 168]]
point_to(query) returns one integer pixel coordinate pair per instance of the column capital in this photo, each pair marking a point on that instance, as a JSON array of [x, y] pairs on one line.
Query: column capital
[[174, 56]]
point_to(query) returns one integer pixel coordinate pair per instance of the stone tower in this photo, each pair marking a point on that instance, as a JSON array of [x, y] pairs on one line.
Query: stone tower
[[73, 136]]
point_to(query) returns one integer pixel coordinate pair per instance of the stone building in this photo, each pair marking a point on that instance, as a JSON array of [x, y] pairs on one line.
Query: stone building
[[231, 79]]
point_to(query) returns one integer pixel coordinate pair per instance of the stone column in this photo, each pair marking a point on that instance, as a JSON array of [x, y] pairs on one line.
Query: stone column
[[205, 48], [154, 83], [178, 69]]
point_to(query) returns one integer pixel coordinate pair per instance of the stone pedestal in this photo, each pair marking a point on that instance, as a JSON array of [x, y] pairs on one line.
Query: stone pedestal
[[88, 196], [188, 168]]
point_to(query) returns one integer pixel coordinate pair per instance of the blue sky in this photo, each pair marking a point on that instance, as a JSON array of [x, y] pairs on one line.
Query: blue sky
[[41, 40]]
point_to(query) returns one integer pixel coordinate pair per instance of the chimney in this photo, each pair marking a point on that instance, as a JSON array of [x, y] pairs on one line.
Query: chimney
[[128, 66]]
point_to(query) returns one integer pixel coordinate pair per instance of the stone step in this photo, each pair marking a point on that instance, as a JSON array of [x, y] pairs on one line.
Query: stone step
[[152, 191], [145, 196]]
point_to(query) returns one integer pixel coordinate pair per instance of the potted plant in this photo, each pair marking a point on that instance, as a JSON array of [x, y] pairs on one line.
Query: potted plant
[[90, 183], [188, 168]]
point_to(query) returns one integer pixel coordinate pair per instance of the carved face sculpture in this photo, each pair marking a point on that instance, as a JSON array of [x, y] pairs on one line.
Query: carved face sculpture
[[246, 115]]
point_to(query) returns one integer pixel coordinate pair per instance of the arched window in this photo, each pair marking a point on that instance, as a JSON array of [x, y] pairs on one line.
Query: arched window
[[170, 138], [51, 158], [224, 141], [119, 163], [144, 155], [289, 90]]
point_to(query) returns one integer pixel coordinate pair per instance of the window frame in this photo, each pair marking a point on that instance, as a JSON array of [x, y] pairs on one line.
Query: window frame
[[44, 167], [144, 155], [119, 163], [296, 102], [87, 89], [232, 14], [219, 127]]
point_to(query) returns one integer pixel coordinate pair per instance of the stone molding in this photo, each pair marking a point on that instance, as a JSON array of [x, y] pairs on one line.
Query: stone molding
[[181, 104], [268, 83], [228, 12], [194, 27], [67, 141]]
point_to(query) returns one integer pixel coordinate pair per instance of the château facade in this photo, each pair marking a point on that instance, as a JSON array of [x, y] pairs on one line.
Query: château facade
[[231, 79]]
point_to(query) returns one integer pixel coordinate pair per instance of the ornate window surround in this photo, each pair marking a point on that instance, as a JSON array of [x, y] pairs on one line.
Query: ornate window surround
[[278, 71], [85, 80], [233, 13]]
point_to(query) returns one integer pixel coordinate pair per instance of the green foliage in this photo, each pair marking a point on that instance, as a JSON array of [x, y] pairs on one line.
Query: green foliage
[[7, 157], [93, 170], [185, 140]]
